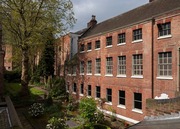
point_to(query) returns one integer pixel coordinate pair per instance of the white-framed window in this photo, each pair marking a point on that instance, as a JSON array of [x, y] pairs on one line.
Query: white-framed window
[[122, 97], [67, 86], [74, 88], [165, 64], [89, 67], [98, 92], [89, 90], [89, 46], [97, 44], [137, 34], [109, 65], [82, 48], [109, 41], [82, 67], [122, 65], [109, 95], [82, 89], [137, 65], [138, 101], [98, 66], [121, 38], [164, 29]]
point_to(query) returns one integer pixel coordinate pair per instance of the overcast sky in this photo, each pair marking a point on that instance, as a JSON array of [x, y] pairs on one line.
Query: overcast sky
[[102, 9]]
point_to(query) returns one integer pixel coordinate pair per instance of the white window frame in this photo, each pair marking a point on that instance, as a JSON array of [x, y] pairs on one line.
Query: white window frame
[[98, 66], [121, 70], [109, 66], [137, 65], [89, 67]]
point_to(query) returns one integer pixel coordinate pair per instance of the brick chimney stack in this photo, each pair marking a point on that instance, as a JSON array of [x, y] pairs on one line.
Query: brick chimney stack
[[93, 21]]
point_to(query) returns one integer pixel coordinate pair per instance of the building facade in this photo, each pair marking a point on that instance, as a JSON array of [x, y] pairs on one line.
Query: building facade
[[130, 58], [8, 64]]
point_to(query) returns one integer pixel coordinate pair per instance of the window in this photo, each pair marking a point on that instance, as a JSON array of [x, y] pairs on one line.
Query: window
[[109, 65], [97, 44], [137, 65], [137, 34], [82, 89], [98, 91], [122, 96], [122, 65], [82, 67], [109, 41], [138, 101], [74, 88], [164, 29], [74, 70], [165, 64], [109, 95], [89, 90], [82, 48], [98, 66], [121, 38], [89, 67], [67, 86], [89, 46]]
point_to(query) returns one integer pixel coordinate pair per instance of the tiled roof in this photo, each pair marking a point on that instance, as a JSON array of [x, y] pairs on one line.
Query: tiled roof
[[136, 15]]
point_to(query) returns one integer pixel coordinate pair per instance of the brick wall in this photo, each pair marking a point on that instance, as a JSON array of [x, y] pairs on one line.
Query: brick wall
[[161, 107]]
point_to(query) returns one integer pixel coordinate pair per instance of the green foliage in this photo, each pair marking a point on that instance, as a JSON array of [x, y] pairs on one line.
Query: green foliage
[[72, 104], [36, 91], [46, 66], [49, 101], [99, 117], [12, 89], [56, 123], [87, 108], [58, 90], [12, 76], [100, 126]]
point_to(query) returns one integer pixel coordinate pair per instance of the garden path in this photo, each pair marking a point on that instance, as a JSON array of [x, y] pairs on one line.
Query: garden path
[[71, 123]]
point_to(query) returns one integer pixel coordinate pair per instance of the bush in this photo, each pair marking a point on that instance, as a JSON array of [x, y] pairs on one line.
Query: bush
[[87, 107], [56, 123], [36, 110], [99, 117], [12, 76], [100, 126]]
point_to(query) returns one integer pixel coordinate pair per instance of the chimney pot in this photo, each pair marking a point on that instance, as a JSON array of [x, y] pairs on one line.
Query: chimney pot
[[92, 22]]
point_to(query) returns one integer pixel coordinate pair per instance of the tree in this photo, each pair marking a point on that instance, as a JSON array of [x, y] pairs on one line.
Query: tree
[[25, 21], [46, 65]]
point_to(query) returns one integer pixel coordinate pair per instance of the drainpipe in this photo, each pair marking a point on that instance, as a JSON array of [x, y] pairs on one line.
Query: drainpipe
[[152, 52], [178, 86]]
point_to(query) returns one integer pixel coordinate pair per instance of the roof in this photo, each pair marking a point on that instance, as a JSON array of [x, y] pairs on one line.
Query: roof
[[142, 13], [158, 124], [81, 32]]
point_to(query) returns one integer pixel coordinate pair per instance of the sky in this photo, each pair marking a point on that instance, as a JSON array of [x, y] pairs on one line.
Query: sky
[[102, 9]]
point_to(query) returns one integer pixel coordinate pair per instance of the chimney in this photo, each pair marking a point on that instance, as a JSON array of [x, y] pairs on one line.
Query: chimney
[[151, 1], [93, 22]]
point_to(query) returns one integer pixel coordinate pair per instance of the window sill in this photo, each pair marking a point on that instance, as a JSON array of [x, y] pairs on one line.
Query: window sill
[[81, 95], [69, 74], [137, 111], [81, 73], [97, 98], [74, 93], [97, 74], [121, 76], [121, 106], [89, 74], [97, 49], [89, 50], [120, 44], [164, 78], [82, 52], [164, 37], [108, 75], [134, 76], [73, 74], [67, 91], [137, 41], [108, 103], [89, 96], [108, 46]]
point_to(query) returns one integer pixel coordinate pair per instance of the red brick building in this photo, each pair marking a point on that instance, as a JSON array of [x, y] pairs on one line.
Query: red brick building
[[130, 58]]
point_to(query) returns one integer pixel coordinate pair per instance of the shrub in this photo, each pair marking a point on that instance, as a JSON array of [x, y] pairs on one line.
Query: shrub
[[36, 110], [99, 117], [56, 123], [100, 126], [12, 76], [87, 107]]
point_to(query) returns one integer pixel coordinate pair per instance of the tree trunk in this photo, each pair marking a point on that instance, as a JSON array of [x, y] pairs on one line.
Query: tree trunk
[[24, 74]]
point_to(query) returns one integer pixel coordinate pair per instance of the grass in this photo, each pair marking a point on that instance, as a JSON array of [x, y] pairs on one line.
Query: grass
[[36, 91]]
